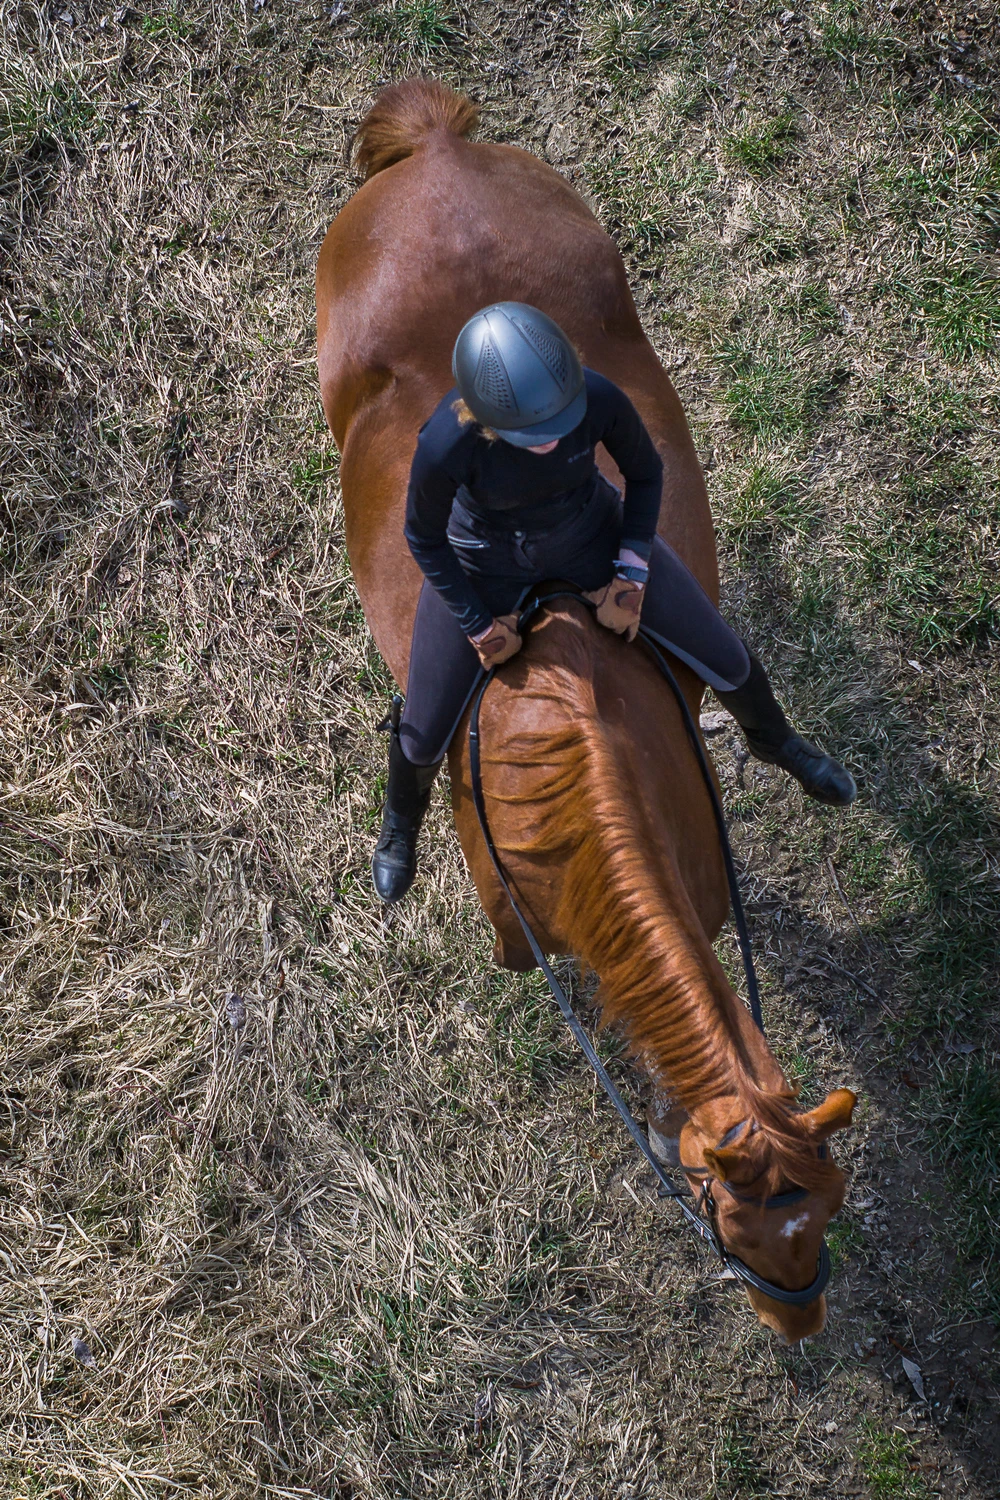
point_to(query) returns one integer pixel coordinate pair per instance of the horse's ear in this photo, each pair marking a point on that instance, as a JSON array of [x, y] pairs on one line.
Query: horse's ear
[[832, 1115], [722, 1163]]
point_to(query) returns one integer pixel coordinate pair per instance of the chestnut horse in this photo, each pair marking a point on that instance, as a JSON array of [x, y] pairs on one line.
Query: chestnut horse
[[595, 799]]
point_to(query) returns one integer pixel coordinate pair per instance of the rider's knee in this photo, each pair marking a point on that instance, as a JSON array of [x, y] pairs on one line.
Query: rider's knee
[[417, 747]]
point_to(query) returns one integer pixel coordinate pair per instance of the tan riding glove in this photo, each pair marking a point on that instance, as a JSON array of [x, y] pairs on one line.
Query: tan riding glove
[[619, 605], [499, 643]]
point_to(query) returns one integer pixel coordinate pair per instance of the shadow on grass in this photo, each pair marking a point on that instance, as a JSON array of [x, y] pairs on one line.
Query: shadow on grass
[[919, 857]]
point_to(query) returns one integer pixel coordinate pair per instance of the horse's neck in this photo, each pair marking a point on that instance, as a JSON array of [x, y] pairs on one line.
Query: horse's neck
[[661, 980], [574, 792], [670, 995]]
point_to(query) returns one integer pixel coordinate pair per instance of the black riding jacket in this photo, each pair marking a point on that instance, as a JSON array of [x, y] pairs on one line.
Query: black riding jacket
[[505, 487]]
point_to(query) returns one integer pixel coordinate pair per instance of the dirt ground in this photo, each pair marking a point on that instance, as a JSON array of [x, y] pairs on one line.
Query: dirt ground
[[301, 1200]]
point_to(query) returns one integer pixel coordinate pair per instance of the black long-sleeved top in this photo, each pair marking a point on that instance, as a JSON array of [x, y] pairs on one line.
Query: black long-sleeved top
[[505, 486]]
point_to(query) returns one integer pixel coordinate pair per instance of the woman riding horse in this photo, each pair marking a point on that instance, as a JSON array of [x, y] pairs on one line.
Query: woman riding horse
[[505, 492], [596, 803]]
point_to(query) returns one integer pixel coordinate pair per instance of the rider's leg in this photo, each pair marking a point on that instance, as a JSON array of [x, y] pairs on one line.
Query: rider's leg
[[407, 794], [679, 613], [443, 673], [771, 738]]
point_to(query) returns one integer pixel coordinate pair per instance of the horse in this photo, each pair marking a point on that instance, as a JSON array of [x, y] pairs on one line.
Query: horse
[[596, 802]]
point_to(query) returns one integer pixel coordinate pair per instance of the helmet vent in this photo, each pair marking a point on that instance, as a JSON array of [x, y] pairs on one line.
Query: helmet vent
[[492, 381], [551, 350]]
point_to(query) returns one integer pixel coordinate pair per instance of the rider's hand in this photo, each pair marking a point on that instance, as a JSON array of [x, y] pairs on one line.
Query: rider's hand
[[619, 605], [498, 643]]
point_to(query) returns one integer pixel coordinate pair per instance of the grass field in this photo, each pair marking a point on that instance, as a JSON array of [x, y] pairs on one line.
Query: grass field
[[298, 1201]]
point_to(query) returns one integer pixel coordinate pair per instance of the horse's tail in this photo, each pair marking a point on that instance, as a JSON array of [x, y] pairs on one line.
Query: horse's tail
[[403, 116]]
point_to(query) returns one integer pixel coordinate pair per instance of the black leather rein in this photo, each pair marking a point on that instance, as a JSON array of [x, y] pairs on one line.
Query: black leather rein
[[705, 1227]]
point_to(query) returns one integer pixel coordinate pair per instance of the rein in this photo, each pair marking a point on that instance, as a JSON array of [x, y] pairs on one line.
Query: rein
[[701, 1220]]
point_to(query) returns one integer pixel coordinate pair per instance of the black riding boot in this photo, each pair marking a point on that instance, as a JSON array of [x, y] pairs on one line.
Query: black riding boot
[[772, 739], [394, 863]]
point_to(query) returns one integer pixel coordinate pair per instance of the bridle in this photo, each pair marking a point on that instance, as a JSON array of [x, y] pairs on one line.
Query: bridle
[[703, 1218], [707, 1206]]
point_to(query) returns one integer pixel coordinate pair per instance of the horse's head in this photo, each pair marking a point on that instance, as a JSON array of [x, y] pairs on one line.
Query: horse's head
[[770, 1193]]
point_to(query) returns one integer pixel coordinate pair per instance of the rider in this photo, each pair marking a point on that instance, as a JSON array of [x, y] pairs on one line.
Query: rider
[[505, 492]]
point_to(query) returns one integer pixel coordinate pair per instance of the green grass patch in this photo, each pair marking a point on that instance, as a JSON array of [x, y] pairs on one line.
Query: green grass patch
[[762, 147], [638, 206], [851, 33], [415, 26], [528, 1036], [924, 560], [771, 503], [961, 1119], [35, 113], [947, 192], [867, 857], [628, 36], [168, 22], [773, 242], [775, 390], [314, 475], [844, 1240], [888, 1462], [930, 414], [374, 680], [642, 191], [951, 964], [751, 804], [812, 306], [800, 1069], [361, 1385], [957, 306], [739, 1467]]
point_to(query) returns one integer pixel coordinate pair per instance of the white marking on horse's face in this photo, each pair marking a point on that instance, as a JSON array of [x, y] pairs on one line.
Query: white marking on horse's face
[[792, 1226]]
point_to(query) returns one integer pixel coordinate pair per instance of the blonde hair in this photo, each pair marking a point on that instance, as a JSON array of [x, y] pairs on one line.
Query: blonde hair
[[465, 416]]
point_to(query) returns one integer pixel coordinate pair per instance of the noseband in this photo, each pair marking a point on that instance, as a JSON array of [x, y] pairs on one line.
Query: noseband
[[703, 1219], [706, 1206]]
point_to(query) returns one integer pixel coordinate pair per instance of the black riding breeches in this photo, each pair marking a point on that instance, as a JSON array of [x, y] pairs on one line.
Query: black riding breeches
[[444, 667]]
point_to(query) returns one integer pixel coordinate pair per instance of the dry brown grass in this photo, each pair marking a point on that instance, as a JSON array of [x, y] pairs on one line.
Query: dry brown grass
[[365, 1230]]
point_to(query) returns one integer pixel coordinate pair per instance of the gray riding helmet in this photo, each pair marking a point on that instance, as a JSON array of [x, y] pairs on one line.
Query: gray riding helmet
[[519, 374]]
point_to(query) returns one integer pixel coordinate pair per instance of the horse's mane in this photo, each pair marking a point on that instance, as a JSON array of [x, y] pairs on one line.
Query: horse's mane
[[623, 906]]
